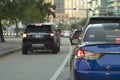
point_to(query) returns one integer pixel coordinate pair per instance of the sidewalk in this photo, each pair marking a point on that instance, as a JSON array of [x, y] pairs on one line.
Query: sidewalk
[[11, 45]]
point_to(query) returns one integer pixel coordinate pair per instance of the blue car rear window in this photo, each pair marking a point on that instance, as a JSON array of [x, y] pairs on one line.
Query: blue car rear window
[[103, 32]]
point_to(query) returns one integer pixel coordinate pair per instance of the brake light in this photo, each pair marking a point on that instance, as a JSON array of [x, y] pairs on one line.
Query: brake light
[[86, 55], [117, 40], [79, 53], [51, 34], [38, 25], [24, 35]]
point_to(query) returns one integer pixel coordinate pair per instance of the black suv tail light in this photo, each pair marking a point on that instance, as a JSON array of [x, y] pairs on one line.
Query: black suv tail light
[[51, 34], [24, 35]]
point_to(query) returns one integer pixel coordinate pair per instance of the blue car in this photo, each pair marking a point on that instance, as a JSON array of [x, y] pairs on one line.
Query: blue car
[[97, 55]]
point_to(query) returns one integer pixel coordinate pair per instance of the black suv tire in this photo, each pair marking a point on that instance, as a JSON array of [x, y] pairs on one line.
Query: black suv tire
[[59, 48], [24, 50], [55, 50]]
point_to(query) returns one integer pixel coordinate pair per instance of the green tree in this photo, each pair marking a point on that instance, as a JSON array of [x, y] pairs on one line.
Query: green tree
[[31, 12], [3, 15], [74, 26], [46, 10], [83, 22], [24, 11], [14, 11]]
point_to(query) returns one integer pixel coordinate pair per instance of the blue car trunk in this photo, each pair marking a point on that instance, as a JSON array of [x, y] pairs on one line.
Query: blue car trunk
[[109, 59]]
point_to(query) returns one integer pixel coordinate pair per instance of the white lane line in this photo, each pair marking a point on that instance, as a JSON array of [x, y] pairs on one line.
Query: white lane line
[[60, 69]]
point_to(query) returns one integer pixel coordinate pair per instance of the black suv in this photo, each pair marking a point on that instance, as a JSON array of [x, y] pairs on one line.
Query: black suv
[[40, 36]]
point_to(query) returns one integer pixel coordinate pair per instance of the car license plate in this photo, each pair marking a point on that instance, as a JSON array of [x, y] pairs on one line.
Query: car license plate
[[38, 36], [37, 45]]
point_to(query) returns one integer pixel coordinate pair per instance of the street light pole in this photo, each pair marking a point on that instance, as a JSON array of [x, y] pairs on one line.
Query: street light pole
[[76, 9], [87, 13]]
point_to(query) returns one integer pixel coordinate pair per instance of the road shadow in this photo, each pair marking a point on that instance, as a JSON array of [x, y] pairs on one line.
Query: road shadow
[[40, 52]]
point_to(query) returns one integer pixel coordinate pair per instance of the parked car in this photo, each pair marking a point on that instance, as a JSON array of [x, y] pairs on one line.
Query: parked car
[[75, 35], [97, 55], [40, 36]]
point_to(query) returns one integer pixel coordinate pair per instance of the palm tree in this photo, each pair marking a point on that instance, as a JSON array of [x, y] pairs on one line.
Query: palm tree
[[47, 9]]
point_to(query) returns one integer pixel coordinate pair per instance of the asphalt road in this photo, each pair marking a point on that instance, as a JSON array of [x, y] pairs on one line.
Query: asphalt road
[[65, 74], [35, 66]]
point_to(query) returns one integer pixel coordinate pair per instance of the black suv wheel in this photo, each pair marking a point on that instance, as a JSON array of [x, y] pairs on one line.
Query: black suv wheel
[[55, 51], [24, 50]]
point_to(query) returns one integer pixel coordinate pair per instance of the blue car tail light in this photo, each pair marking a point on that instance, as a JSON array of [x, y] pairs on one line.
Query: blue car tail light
[[82, 54], [79, 53]]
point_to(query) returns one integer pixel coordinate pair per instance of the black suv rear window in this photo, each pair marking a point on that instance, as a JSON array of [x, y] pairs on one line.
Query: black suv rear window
[[34, 28]]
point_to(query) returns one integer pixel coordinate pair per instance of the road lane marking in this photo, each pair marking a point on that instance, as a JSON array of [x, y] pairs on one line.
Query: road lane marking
[[60, 69]]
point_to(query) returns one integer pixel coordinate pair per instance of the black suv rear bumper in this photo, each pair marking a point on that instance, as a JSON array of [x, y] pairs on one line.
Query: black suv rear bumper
[[47, 43]]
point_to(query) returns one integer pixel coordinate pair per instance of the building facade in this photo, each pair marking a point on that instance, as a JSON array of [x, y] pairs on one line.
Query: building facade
[[75, 10], [70, 10], [49, 1], [115, 6], [104, 7]]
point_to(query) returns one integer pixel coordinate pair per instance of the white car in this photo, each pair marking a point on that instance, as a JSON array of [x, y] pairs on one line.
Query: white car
[[66, 34]]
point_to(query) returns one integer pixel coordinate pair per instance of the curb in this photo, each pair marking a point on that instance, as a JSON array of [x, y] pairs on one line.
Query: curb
[[8, 52], [62, 66]]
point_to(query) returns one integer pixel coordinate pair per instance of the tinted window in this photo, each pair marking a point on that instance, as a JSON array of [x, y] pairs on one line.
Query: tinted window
[[77, 32], [43, 28], [94, 20], [103, 32]]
